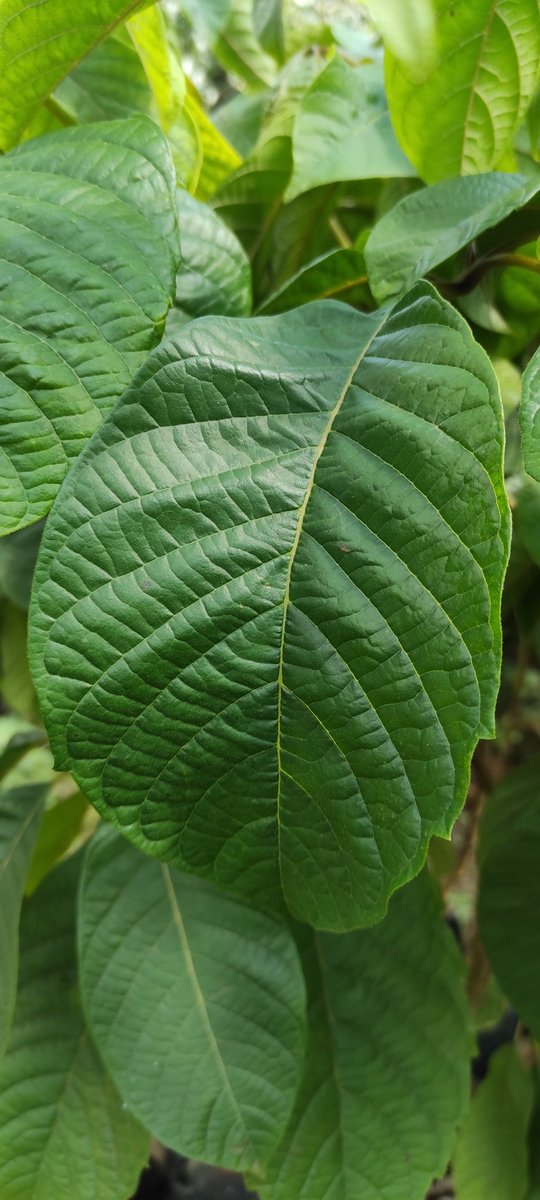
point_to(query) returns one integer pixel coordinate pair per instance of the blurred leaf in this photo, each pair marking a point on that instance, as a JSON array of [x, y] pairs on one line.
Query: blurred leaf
[[408, 30], [268, 27], [39, 45], [458, 115], [60, 825], [490, 1157], [64, 1132], [427, 227], [20, 811], [215, 275], [340, 274], [240, 120], [18, 745], [237, 49], [108, 84], [530, 417], [15, 681], [343, 130], [509, 889], [18, 554], [373, 1116], [509, 380]]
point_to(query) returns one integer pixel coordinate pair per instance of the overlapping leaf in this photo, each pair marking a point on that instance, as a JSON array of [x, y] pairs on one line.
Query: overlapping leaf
[[461, 115], [215, 274], [39, 44], [491, 1150], [266, 619], [530, 416], [87, 274], [20, 811], [343, 130], [374, 1117], [430, 225], [509, 892], [191, 993], [64, 1131]]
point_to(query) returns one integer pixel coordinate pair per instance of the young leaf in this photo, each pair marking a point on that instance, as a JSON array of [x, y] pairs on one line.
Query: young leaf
[[90, 216], [529, 414], [215, 274], [343, 130], [340, 274], [425, 228], [374, 1115], [490, 1158], [285, 550], [508, 914], [64, 1132], [182, 982], [39, 44], [20, 811], [461, 115], [408, 30]]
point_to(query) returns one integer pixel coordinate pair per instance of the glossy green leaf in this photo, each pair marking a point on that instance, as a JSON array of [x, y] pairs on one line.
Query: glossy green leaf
[[428, 226], [39, 44], [340, 274], [86, 280], [285, 550], [215, 274], [461, 115], [182, 982], [64, 1132], [530, 416], [343, 130], [509, 893], [60, 826], [490, 1158], [20, 811], [373, 1118]]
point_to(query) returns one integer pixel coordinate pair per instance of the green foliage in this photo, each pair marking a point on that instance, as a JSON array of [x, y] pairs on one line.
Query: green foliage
[[269, 323], [261, 571]]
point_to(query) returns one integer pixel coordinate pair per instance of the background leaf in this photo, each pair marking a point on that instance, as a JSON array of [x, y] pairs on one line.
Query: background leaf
[[341, 274], [343, 130], [461, 116], [291, 652], [39, 44], [215, 275], [490, 1158], [92, 211], [372, 1117], [530, 416], [20, 812], [64, 1131], [222, 984], [425, 228], [508, 852]]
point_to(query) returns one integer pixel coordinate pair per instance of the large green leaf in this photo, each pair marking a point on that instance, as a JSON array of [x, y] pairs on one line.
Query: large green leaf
[[509, 893], [373, 1118], [461, 115], [64, 1132], [86, 280], [20, 811], [343, 130], [39, 44], [429, 226], [182, 982], [490, 1159], [215, 274], [285, 550], [530, 416]]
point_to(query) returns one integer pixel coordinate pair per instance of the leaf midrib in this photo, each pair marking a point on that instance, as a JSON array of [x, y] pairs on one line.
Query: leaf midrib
[[334, 413]]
